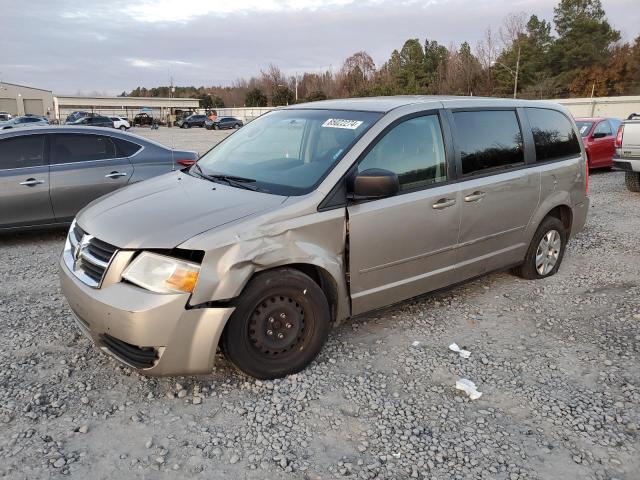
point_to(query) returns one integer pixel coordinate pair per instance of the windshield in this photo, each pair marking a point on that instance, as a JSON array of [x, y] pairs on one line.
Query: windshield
[[584, 128], [288, 152]]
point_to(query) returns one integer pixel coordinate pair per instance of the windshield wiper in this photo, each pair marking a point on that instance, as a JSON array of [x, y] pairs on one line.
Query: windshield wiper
[[232, 180]]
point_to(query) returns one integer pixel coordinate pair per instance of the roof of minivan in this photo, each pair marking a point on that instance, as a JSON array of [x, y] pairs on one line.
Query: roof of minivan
[[386, 104]]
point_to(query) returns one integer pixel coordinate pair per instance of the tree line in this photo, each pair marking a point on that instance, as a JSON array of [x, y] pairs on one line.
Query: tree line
[[577, 54]]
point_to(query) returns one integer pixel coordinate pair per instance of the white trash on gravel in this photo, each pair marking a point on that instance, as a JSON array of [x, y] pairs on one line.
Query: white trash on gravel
[[463, 353], [469, 388]]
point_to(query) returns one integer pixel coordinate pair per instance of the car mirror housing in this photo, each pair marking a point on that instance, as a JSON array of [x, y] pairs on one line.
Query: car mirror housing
[[374, 183]]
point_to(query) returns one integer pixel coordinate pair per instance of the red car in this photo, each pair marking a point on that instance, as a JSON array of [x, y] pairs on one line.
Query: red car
[[599, 135]]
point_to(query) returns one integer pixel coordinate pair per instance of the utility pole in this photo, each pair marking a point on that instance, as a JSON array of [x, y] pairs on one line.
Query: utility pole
[[515, 83]]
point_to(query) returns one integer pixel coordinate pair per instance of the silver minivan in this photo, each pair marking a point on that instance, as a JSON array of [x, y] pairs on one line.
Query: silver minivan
[[318, 212]]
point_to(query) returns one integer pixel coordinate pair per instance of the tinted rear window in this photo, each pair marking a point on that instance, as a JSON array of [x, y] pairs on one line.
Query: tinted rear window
[[553, 134], [125, 148], [68, 148], [488, 139], [21, 152]]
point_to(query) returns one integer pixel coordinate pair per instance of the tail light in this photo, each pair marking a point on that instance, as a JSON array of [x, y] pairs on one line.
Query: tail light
[[186, 162], [619, 136]]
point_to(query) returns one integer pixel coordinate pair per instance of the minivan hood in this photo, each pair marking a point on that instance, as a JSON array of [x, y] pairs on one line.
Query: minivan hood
[[165, 211]]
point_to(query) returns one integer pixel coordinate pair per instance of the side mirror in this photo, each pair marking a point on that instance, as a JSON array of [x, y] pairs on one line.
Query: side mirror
[[599, 135], [374, 183]]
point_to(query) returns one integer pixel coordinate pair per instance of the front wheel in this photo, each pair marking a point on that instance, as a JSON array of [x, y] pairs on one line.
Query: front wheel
[[545, 253], [632, 180], [279, 326]]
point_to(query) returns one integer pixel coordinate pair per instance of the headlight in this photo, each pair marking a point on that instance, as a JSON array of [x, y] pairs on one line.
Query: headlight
[[162, 274]]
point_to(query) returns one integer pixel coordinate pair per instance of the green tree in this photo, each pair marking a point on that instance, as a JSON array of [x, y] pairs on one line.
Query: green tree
[[412, 75], [255, 98], [585, 36], [282, 95]]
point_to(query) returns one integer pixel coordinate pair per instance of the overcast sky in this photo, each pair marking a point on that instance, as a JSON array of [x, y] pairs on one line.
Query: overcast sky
[[81, 46]]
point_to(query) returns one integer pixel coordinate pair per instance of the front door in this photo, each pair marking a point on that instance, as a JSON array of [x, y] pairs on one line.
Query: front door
[[602, 146], [84, 167], [404, 246], [24, 182], [498, 194]]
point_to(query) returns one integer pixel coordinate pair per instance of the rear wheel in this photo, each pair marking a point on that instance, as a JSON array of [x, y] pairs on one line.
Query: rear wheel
[[545, 253], [236, 126], [632, 180], [279, 326], [123, 128]]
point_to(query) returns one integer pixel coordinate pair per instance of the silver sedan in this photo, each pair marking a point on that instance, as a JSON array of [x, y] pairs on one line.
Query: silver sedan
[[47, 174]]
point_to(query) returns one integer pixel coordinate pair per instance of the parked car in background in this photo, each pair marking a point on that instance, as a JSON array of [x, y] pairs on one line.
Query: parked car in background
[[143, 120], [627, 156], [192, 121], [94, 121], [222, 123], [73, 116], [49, 173], [120, 123], [4, 116], [24, 121], [598, 135], [248, 249]]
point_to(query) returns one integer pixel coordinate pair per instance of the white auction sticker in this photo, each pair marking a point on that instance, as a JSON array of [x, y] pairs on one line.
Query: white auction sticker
[[340, 123], [584, 129]]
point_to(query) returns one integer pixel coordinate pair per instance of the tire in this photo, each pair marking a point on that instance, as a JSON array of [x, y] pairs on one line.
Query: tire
[[122, 128], [280, 324], [188, 125], [236, 126], [532, 269], [632, 180]]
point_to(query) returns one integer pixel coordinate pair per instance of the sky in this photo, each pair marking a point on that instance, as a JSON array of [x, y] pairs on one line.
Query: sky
[[87, 47]]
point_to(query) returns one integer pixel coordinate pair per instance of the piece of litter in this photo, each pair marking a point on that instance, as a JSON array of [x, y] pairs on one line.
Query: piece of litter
[[469, 388], [463, 353], [415, 344]]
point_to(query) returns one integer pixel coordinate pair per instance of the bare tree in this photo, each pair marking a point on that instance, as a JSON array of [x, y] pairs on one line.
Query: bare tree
[[487, 52], [513, 26]]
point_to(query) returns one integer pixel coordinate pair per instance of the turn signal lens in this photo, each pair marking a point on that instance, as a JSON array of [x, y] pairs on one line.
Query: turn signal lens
[[618, 143]]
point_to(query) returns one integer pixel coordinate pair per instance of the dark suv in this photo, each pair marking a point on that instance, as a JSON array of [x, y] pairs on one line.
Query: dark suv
[[192, 121], [94, 121]]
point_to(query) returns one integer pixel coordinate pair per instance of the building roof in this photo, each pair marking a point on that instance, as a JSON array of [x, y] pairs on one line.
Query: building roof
[[25, 86]]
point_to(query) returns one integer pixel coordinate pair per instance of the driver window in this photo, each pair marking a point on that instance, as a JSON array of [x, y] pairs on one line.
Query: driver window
[[603, 127], [413, 150]]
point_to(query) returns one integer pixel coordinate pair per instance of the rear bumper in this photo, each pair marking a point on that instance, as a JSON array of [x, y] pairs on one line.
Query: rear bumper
[[150, 332], [626, 165]]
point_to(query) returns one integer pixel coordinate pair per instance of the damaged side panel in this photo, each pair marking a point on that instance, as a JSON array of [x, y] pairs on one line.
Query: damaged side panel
[[313, 240]]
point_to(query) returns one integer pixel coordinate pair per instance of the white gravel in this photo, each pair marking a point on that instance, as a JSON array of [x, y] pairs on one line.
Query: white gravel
[[556, 360]]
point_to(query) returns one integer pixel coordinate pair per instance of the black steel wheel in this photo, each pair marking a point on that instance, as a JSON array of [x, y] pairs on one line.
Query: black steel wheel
[[279, 326]]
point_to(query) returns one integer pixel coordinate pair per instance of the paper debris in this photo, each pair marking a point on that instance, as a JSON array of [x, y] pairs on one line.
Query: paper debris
[[463, 353], [469, 388]]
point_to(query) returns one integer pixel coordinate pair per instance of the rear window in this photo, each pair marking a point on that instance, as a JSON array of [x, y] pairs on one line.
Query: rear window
[[21, 152], [489, 139], [126, 148], [584, 128], [69, 148], [553, 135]]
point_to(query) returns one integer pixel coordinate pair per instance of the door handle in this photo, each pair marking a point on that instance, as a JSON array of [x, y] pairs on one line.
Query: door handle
[[31, 182], [444, 203], [475, 196], [115, 175]]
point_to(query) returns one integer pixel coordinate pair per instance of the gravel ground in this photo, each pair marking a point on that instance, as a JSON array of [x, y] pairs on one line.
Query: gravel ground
[[198, 139], [556, 360]]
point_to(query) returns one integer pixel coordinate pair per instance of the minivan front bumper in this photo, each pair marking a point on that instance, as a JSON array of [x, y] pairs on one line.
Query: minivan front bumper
[[154, 333]]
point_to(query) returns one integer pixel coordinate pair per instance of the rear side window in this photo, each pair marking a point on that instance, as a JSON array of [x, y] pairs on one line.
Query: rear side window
[[413, 150], [21, 152], [125, 148], [70, 148], [603, 128], [489, 139], [553, 134]]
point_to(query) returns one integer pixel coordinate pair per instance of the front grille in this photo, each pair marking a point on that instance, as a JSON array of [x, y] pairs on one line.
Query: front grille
[[88, 257], [139, 357]]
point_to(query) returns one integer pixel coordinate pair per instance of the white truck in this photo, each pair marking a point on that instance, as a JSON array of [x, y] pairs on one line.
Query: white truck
[[627, 157]]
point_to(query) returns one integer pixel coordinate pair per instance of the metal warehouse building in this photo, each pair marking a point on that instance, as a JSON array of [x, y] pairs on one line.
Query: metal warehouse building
[[123, 106], [20, 100]]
